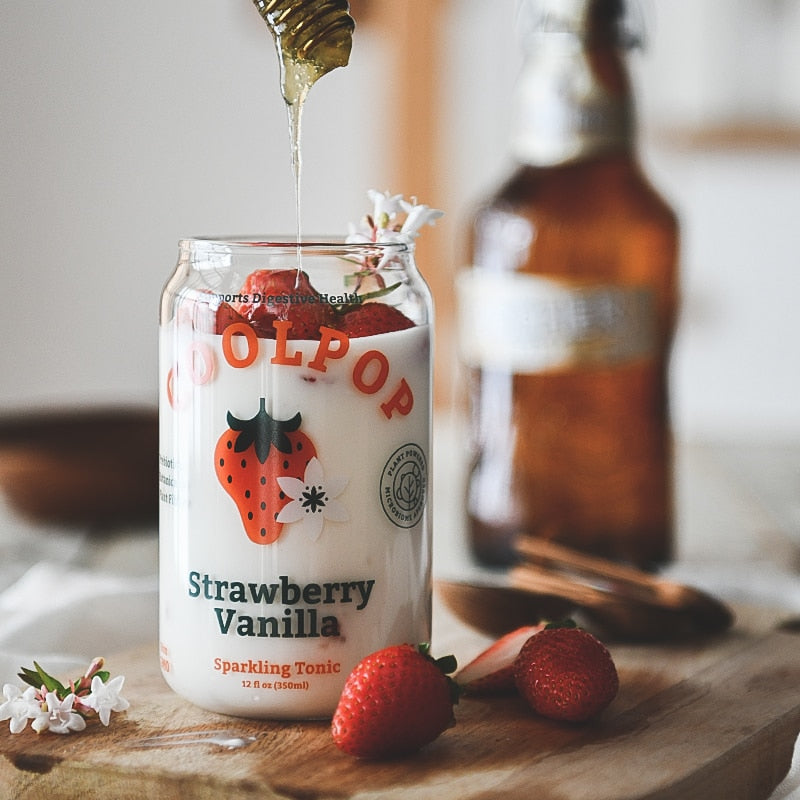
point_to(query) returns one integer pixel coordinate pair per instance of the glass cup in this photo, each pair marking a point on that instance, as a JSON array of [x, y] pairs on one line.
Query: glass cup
[[295, 527]]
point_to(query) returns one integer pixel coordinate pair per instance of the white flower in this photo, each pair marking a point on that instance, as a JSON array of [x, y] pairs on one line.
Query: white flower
[[106, 697], [361, 233], [383, 227], [385, 206], [58, 716], [313, 499], [386, 236], [18, 707], [418, 216]]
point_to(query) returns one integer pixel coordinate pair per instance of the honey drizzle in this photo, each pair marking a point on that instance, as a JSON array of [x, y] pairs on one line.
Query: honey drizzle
[[311, 39]]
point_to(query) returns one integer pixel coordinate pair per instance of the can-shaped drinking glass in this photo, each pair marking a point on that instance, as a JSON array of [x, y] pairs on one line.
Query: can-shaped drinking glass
[[295, 460]]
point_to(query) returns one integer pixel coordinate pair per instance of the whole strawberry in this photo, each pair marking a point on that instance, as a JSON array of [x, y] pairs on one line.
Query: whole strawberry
[[284, 294], [565, 673], [370, 319], [394, 702]]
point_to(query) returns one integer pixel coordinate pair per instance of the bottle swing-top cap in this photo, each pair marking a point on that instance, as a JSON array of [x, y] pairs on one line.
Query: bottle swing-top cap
[[573, 98], [582, 18]]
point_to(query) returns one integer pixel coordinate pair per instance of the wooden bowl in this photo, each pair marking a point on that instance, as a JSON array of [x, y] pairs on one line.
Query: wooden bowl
[[93, 468]]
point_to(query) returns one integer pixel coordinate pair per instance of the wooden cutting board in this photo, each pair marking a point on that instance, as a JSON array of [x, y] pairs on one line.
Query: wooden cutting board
[[717, 720]]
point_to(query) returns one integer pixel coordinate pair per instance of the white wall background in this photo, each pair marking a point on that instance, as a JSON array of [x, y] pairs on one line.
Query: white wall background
[[734, 63], [124, 127]]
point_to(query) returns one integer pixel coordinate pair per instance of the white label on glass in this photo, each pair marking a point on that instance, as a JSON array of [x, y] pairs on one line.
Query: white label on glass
[[527, 323]]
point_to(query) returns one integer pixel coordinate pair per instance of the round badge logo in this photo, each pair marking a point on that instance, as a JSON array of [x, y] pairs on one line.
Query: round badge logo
[[404, 483]]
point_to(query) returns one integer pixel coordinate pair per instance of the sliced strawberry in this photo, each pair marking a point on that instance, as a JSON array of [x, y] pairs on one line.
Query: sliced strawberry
[[492, 671], [372, 318], [285, 294]]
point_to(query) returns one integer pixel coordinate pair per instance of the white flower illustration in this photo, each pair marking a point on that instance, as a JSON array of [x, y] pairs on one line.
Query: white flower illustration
[[313, 499]]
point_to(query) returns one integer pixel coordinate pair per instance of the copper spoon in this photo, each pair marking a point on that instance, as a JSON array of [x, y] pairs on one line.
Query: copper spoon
[[551, 581]]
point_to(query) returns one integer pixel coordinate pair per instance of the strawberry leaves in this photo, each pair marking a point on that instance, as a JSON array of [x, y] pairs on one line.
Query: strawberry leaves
[[394, 702], [263, 432], [446, 665]]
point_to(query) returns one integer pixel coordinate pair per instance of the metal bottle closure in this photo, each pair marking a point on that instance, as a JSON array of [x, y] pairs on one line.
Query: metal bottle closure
[[564, 112]]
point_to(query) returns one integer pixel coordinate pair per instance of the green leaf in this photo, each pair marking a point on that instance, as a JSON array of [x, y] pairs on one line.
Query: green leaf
[[562, 623], [379, 292], [30, 677], [455, 690], [50, 683], [447, 664]]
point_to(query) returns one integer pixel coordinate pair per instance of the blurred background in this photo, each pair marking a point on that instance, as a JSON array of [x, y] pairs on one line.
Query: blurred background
[[124, 127]]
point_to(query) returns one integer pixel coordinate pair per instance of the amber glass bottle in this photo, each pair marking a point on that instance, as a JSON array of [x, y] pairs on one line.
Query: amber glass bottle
[[567, 312]]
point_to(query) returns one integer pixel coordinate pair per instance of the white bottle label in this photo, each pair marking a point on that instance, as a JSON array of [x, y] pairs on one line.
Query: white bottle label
[[269, 597], [524, 323]]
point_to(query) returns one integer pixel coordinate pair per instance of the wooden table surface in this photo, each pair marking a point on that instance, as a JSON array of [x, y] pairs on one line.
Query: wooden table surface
[[715, 720], [711, 719]]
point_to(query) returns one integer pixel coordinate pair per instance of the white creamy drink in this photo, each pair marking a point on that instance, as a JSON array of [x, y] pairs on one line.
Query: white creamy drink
[[295, 522]]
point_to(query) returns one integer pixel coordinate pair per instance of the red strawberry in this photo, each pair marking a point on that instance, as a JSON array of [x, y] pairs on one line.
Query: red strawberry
[[225, 316], [565, 673], [249, 458], [285, 294], [492, 671], [394, 702], [371, 318]]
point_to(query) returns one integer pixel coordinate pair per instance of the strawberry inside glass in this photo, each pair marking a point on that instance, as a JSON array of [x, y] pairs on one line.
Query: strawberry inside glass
[[295, 299]]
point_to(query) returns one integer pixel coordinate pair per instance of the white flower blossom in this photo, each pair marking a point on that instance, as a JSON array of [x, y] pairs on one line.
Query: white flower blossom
[[383, 227], [57, 715], [18, 707], [59, 708], [105, 697], [387, 236], [313, 500], [418, 216], [385, 207], [361, 233]]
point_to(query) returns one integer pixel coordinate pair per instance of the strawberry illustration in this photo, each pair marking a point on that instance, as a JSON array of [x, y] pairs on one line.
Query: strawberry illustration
[[371, 318], [492, 670], [249, 458], [394, 702], [565, 673]]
